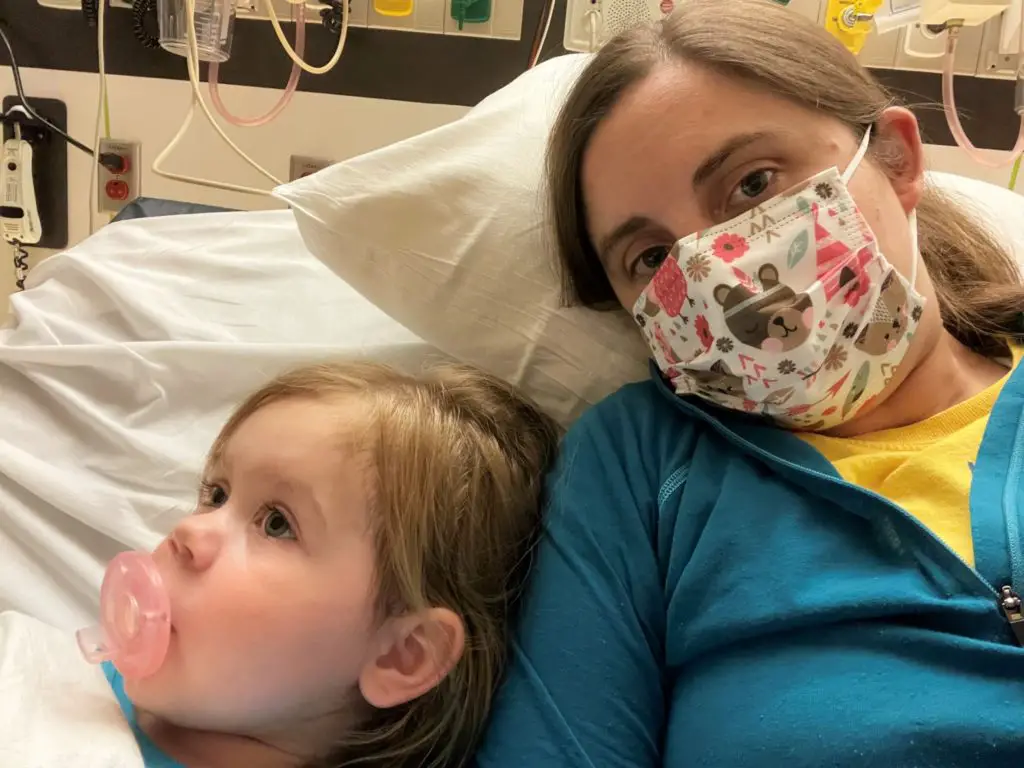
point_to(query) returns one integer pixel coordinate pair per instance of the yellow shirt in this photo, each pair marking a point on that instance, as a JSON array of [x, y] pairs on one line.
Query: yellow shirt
[[925, 468]]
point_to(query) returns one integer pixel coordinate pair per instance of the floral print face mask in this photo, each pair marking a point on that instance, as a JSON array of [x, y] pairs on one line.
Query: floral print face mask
[[789, 310]]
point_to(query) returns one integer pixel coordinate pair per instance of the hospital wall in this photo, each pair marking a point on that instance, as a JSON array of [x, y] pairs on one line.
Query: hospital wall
[[329, 126]]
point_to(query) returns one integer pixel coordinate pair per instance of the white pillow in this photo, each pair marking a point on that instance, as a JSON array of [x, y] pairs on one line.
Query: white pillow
[[445, 232]]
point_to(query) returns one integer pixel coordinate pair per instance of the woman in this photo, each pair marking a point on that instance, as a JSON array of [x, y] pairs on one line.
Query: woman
[[800, 544]]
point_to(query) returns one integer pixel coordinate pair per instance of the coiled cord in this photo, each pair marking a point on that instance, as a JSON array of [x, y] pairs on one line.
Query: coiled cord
[[143, 10], [20, 265], [91, 11], [331, 17]]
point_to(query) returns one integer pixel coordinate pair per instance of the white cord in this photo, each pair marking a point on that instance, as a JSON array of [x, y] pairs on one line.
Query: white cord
[[192, 60], [544, 34], [592, 18], [93, 197], [291, 51]]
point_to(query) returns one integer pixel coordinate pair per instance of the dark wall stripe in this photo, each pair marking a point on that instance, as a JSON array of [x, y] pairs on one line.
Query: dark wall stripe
[[415, 67]]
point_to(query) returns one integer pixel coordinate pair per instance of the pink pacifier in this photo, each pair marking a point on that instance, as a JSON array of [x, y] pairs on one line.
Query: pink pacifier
[[135, 618]]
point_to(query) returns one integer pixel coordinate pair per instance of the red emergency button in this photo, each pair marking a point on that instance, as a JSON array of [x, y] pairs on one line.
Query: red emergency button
[[117, 190]]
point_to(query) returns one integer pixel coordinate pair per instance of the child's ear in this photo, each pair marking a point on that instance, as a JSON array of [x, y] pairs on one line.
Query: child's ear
[[415, 653]]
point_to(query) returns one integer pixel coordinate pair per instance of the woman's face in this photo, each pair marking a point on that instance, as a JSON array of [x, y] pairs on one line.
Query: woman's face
[[687, 148]]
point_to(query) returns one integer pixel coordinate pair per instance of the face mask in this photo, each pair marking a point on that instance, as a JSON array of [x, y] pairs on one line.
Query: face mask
[[789, 310]]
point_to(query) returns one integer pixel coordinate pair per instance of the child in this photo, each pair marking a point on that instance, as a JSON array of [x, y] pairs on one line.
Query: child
[[341, 597]]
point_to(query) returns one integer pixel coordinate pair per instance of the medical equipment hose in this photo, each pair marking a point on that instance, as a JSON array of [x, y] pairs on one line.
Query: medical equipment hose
[[953, 118], [295, 57], [192, 61], [299, 14]]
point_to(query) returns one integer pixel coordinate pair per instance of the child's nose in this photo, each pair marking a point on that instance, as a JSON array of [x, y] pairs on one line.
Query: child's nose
[[195, 542]]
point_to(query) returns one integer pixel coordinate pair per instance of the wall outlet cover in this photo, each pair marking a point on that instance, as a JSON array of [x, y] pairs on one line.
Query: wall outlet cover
[[302, 166]]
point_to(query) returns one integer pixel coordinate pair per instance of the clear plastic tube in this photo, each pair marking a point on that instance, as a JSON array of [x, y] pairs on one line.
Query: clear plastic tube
[[953, 118], [192, 61], [299, 16]]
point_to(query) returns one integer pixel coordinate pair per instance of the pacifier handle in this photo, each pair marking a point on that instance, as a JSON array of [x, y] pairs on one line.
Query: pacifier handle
[[135, 618]]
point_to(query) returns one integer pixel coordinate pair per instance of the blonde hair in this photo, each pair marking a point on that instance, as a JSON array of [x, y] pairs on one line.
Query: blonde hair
[[458, 461], [762, 43]]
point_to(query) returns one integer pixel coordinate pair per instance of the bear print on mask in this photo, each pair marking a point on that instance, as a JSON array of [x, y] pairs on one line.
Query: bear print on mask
[[719, 381], [776, 320], [888, 322]]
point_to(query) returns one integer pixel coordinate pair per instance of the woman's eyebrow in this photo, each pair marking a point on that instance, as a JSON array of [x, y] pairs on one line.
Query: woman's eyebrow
[[717, 159]]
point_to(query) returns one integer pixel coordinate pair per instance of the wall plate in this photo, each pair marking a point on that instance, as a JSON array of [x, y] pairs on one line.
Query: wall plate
[[115, 190], [301, 166]]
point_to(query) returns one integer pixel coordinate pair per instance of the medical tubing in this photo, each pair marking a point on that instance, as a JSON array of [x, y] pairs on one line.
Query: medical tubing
[[299, 14], [192, 61], [295, 57], [953, 119]]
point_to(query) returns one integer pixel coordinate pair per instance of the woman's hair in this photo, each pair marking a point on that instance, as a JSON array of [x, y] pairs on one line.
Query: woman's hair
[[762, 43], [458, 461]]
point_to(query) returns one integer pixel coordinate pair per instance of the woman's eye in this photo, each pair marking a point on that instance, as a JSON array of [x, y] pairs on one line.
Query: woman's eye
[[276, 525], [214, 495], [751, 187], [650, 260]]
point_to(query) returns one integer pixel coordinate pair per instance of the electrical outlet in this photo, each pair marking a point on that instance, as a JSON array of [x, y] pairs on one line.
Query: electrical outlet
[[301, 166], [118, 187]]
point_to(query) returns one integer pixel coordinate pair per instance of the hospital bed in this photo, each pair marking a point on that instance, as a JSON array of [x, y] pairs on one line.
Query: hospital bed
[[118, 366]]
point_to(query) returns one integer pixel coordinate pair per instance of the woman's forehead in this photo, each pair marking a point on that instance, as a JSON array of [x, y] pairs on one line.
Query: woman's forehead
[[663, 132]]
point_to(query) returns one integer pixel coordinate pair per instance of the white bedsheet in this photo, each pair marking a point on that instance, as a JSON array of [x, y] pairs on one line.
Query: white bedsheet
[[118, 367]]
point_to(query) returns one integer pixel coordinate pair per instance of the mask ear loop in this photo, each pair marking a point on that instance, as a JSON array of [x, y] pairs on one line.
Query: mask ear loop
[[855, 163], [912, 223], [862, 150]]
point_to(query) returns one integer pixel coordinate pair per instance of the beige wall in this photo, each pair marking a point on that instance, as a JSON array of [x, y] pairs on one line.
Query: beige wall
[[150, 111], [333, 127]]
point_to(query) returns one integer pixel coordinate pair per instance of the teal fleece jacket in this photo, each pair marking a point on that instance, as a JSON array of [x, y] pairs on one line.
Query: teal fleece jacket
[[709, 592]]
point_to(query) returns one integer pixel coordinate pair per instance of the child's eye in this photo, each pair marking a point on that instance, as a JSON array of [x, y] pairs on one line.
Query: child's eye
[[275, 525], [213, 495]]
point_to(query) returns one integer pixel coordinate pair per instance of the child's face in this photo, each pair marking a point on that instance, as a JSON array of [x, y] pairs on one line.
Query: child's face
[[271, 582]]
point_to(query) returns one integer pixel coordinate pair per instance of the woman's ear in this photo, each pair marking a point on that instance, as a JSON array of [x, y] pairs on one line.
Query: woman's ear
[[902, 155], [415, 653]]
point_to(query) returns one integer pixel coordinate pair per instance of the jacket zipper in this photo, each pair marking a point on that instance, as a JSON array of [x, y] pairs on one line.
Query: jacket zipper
[[1010, 602]]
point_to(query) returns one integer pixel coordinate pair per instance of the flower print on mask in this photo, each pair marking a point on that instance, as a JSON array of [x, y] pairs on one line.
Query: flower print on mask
[[776, 319], [729, 246], [835, 359], [889, 319], [698, 268]]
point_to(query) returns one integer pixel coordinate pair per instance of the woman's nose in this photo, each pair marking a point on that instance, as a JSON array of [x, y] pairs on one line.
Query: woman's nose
[[196, 541]]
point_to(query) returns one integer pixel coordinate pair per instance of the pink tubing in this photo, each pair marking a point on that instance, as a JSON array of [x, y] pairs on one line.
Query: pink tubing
[[289, 90], [953, 119]]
